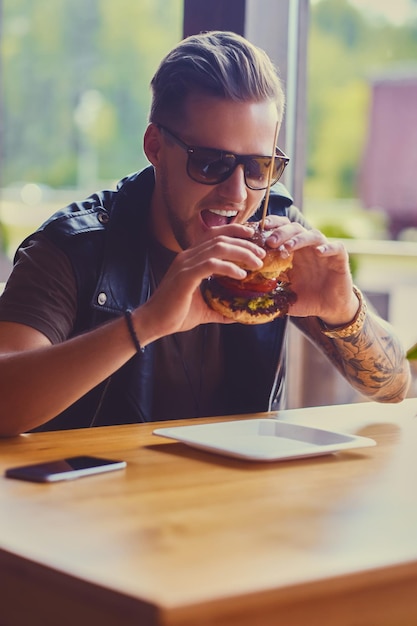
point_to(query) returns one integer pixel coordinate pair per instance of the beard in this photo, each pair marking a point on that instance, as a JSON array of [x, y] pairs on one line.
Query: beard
[[187, 232], [180, 227]]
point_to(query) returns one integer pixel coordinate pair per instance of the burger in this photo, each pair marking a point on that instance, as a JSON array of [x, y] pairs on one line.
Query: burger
[[262, 296]]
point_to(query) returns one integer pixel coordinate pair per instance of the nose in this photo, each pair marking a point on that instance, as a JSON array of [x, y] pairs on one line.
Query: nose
[[234, 189]]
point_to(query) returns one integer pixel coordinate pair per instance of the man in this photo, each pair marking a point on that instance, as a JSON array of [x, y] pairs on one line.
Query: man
[[103, 321]]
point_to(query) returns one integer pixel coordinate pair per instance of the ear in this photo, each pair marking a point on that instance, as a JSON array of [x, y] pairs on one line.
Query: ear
[[152, 143]]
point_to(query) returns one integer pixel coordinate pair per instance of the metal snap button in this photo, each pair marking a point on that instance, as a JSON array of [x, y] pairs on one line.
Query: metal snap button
[[103, 218], [102, 298]]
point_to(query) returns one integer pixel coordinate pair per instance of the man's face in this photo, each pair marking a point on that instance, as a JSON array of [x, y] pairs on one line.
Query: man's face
[[183, 210]]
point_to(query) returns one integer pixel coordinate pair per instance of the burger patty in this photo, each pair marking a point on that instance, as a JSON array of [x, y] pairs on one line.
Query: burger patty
[[254, 302]]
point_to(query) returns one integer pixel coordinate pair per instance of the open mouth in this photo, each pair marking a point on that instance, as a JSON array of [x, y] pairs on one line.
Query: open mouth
[[217, 217]]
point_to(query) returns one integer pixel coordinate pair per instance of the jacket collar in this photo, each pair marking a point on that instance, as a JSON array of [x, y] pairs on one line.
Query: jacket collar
[[124, 277]]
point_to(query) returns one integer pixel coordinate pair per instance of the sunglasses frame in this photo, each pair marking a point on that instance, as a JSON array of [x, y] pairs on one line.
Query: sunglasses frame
[[239, 160]]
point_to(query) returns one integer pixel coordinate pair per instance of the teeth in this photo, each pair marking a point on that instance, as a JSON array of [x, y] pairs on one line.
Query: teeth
[[224, 213]]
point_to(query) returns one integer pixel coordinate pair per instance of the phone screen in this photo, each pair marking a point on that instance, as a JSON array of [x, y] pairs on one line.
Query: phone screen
[[64, 469]]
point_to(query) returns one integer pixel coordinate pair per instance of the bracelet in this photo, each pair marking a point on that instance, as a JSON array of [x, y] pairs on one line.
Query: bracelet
[[132, 332], [341, 332]]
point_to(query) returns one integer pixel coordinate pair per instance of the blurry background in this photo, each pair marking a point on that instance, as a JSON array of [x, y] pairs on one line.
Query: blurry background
[[74, 99]]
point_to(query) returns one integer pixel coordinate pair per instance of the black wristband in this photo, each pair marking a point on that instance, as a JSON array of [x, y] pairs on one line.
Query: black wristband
[[132, 332]]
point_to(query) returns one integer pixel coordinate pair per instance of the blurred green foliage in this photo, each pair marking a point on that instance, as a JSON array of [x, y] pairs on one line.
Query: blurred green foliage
[[345, 51], [412, 353], [75, 87], [57, 53]]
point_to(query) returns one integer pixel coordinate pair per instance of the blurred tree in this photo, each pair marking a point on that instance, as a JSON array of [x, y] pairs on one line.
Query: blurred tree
[[345, 50], [338, 16], [55, 53]]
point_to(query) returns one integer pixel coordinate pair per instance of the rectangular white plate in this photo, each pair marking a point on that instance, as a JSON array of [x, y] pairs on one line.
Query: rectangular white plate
[[264, 439]]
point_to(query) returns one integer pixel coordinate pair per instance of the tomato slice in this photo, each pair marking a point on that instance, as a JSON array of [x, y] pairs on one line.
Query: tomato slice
[[258, 286]]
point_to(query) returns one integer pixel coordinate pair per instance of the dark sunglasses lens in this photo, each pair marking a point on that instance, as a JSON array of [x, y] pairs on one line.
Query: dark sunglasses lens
[[279, 168], [257, 171], [209, 166]]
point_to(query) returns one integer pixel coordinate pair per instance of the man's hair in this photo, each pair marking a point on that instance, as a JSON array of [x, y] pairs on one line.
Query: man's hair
[[217, 63]]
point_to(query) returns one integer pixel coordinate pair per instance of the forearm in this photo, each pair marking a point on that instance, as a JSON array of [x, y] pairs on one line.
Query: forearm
[[372, 360], [37, 384]]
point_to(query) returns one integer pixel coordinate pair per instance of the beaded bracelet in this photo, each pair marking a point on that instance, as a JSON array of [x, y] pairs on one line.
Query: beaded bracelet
[[132, 332], [342, 332]]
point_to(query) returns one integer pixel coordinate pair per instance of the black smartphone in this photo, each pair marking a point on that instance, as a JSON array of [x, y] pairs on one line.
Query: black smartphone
[[64, 469]]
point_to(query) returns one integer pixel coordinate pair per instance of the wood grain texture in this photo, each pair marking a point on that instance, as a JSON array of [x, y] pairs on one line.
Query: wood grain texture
[[184, 537]]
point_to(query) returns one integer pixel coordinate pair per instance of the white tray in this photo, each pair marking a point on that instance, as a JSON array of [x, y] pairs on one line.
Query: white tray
[[264, 439]]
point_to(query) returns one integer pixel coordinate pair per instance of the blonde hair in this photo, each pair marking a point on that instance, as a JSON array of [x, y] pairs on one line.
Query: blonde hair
[[218, 63]]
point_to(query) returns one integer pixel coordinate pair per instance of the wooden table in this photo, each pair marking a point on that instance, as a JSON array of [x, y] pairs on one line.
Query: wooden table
[[185, 537]]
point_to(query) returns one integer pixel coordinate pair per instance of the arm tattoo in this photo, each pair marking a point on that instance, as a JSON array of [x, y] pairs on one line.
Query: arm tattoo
[[372, 360]]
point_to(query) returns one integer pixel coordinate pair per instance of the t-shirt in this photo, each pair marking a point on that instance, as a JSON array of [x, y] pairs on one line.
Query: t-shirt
[[188, 367], [41, 290], [191, 361]]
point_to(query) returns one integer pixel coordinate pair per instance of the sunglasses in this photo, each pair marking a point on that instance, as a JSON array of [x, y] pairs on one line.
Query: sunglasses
[[209, 166]]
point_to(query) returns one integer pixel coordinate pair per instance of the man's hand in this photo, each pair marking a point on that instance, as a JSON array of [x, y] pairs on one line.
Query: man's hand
[[177, 304], [320, 276]]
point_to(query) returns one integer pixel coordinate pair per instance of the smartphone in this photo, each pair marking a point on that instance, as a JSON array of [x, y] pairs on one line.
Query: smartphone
[[64, 469]]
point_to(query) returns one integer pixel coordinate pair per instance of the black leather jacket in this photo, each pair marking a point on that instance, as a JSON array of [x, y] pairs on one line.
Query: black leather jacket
[[106, 240]]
